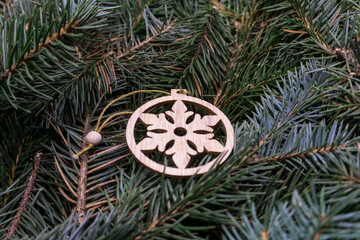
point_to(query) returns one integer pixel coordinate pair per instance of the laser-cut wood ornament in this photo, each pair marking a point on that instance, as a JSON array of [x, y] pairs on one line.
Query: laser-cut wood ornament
[[199, 133]]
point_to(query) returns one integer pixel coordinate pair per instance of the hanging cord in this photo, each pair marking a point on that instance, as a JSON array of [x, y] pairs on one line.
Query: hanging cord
[[99, 127]]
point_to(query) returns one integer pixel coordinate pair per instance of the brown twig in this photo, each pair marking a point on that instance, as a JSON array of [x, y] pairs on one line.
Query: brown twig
[[324, 219], [264, 235], [300, 154], [219, 91], [183, 38], [65, 195], [100, 203], [81, 191], [25, 198]]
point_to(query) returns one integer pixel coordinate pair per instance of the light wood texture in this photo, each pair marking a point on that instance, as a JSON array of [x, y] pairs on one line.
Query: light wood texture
[[197, 134]]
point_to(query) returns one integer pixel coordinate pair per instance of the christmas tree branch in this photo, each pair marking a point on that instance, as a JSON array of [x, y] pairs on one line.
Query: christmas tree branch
[[194, 77], [242, 90], [302, 154], [81, 191], [197, 53], [97, 63], [158, 222], [297, 133], [64, 178], [12, 177], [220, 7], [327, 30], [109, 162], [138, 17], [27, 57], [97, 186], [145, 42], [308, 26], [99, 70], [25, 198]]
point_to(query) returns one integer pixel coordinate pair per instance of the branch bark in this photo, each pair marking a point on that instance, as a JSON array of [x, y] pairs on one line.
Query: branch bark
[[25, 199], [81, 191], [302, 154]]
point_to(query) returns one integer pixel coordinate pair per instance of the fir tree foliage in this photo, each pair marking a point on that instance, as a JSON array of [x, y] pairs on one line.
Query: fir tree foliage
[[286, 73]]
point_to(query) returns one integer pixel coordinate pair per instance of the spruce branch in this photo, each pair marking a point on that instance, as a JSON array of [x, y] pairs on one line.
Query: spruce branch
[[198, 51], [159, 222], [307, 217], [50, 39], [83, 172], [97, 186], [300, 11], [303, 154], [109, 162], [220, 7], [43, 57], [329, 27], [296, 154], [244, 89], [25, 198], [138, 17], [208, 49], [13, 168], [145, 42], [65, 179]]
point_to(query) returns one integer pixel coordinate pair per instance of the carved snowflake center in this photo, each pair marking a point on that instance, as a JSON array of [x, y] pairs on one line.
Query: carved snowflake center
[[180, 131]]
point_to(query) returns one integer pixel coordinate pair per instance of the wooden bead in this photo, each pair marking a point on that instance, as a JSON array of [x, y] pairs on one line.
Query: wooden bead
[[190, 139], [93, 137]]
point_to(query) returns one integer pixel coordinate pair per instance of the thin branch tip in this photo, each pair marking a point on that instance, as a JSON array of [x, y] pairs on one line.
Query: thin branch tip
[[25, 198]]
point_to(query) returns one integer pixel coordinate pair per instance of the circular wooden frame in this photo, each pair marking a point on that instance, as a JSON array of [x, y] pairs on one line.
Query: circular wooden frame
[[172, 171]]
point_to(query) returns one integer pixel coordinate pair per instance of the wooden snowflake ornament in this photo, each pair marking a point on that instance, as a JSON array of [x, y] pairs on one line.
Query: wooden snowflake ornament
[[190, 138]]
